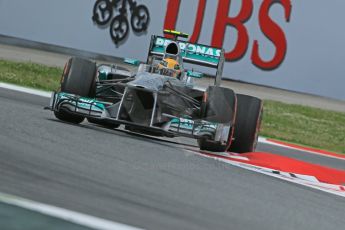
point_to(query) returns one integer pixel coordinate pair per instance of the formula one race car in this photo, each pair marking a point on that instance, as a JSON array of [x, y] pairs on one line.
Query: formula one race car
[[161, 98]]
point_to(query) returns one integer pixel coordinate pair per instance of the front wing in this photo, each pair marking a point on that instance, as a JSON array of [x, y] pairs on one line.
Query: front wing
[[177, 126]]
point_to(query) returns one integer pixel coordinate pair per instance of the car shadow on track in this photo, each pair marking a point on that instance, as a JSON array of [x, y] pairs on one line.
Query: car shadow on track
[[126, 133]]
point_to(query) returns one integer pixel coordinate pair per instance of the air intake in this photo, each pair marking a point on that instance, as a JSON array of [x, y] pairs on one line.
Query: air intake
[[172, 48]]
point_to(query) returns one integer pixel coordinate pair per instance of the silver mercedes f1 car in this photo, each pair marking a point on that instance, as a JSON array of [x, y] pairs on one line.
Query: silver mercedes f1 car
[[161, 98]]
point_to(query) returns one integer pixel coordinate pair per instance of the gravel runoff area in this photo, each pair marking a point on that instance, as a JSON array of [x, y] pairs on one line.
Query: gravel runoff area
[[16, 52]]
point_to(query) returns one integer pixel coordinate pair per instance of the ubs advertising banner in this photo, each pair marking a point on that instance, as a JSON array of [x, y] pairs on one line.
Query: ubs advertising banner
[[289, 44]]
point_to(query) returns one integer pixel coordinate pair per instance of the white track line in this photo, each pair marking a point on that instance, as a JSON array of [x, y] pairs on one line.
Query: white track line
[[64, 214], [263, 140], [25, 90], [305, 180]]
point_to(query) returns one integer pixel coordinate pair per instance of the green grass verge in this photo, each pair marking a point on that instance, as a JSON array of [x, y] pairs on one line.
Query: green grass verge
[[30, 75], [293, 123], [304, 125]]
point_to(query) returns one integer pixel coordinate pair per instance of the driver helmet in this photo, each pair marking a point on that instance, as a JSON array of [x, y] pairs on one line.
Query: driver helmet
[[170, 67]]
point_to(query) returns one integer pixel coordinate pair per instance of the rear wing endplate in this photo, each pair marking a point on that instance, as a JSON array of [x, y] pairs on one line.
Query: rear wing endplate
[[191, 53]]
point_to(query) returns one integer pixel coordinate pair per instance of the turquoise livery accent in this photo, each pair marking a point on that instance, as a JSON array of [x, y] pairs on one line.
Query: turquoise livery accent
[[188, 124], [102, 75], [182, 123], [81, 102], [202, 53], [194, 74], [132, 61]]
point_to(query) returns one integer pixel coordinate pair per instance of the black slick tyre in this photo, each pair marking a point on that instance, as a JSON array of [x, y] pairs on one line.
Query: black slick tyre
[[79, 78], [247, 124]]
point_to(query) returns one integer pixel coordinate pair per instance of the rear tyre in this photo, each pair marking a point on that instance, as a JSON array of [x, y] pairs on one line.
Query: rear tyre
[[102, 123], [247, 124], [219, 107], [79, 78]]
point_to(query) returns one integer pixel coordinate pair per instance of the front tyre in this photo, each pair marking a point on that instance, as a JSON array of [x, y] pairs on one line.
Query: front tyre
[[79, 78]]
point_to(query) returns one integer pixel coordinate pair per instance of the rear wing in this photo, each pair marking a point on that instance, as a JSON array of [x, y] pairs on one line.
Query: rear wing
[[191, 53]]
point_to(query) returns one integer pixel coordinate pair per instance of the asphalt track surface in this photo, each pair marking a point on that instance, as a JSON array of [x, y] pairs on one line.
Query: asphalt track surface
[[145, 182]]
